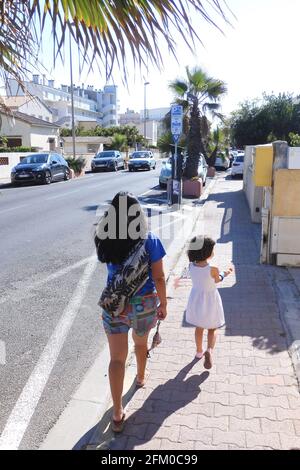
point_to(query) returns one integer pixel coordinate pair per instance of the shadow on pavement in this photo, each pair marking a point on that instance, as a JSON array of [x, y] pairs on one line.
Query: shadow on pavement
[[250, 305], [162, 402]]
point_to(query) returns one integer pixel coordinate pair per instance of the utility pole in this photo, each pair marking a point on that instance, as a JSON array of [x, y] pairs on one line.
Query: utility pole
[[72, 99], [145, 110]]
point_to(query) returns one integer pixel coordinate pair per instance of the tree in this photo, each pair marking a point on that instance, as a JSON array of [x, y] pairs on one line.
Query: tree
[[199, 94], [105, 31], [119, 142], [264, 120]]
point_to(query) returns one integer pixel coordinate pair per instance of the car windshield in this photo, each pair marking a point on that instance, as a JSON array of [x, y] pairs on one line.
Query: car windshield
[[239, 159], [105, 155], [140, 155], [41, 158]]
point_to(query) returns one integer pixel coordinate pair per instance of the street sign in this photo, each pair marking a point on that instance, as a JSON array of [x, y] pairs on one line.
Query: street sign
[[176, 121]]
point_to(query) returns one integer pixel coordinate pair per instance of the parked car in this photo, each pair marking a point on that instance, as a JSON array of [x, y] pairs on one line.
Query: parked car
[[238, 165], [107, 160], [222, 162], [41, 168], [166, 171], [141, 160]]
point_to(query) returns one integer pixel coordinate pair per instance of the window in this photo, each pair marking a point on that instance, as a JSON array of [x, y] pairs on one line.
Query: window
[[14, 142], [92, 148], [3, 160]]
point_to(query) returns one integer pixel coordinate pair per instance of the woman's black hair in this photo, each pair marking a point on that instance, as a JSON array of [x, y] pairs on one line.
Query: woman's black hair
[[113, 244], [200, 248]]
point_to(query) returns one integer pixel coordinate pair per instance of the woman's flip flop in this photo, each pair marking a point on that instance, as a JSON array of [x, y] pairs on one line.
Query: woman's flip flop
[[118, 426]]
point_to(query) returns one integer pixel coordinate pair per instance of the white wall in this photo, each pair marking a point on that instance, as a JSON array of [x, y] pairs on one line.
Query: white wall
[[13, 160], [40, 136], [15, 128], [36, 109]]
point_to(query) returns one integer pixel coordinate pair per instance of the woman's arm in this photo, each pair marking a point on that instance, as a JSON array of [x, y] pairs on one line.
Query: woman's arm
[[158, 277]]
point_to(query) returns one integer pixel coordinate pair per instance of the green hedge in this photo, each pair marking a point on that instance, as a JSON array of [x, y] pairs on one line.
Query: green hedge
[[17, 149]]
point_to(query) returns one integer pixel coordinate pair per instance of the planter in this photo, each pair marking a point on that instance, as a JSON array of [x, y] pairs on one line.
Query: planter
[[72, 174], [80, 173], [211, 171], [192, 188]]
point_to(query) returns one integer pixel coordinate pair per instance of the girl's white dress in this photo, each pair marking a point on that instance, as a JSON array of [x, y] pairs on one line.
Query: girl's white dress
[[205, 308]]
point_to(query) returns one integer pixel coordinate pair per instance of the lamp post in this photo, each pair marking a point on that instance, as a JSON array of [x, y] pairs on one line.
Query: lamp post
[[72, 98], [145, 109]]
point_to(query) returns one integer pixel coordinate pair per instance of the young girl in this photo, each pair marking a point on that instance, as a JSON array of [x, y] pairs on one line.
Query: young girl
[[204, 309]]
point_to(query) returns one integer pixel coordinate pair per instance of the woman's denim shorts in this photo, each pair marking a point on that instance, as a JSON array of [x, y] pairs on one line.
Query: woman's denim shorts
[[140, 315]]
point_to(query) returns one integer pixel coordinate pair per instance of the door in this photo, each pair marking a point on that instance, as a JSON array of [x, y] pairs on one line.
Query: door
[[56, 166]]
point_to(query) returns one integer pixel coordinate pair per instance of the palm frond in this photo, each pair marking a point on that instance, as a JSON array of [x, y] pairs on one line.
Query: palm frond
[[106, 31]]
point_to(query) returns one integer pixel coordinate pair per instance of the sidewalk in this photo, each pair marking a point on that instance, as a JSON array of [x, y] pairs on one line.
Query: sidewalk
[[250, 398]]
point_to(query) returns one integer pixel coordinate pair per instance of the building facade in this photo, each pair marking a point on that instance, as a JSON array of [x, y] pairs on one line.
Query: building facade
[[98, 106]]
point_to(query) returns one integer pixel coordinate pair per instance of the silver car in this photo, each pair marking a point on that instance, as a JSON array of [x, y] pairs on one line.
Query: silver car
[[166, 171]]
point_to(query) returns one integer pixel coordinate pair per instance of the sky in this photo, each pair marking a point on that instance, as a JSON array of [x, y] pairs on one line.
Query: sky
[[258, 53]]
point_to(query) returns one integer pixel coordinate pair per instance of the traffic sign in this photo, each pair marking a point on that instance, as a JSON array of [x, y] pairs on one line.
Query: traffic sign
[[176, 121]]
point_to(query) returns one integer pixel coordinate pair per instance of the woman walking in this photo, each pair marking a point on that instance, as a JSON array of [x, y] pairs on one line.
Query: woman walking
[[135, 296]]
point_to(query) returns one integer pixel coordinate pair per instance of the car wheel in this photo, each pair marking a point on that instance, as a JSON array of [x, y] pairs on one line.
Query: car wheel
[[67, 175], [149, 168], [48, 178], [116, 167]]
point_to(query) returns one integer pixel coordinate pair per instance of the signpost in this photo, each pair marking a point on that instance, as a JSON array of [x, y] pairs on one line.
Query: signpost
[[174, 193]]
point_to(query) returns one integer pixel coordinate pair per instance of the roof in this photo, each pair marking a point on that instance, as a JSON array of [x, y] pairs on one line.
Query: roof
[[89, 139], [33, 121], [17, 101]]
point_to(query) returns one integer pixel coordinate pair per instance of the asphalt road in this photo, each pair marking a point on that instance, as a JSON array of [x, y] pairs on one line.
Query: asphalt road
[[49, 287]]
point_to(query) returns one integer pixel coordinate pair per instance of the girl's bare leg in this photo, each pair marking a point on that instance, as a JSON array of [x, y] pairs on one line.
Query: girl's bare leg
[[140, 346], [211, 339], [118, 345], [199, 339]]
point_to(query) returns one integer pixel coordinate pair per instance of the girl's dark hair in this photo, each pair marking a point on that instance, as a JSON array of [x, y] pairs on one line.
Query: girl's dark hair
[[200, 248], [114, 247]]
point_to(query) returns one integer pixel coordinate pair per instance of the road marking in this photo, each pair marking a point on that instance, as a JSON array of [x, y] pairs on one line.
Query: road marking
[[64, 194], [12, 208], [18, 296], [23, 410]]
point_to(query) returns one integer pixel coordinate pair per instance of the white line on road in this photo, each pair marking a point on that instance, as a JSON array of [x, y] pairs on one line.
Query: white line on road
[[64, 194], [23, 410], [33, 285], [12, 208]]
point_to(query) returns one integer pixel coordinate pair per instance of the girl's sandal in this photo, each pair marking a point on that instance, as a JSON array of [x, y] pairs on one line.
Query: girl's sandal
[[118, 426]]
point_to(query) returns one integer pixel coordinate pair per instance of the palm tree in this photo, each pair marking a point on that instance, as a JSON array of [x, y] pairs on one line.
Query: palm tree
[[105, 31], [201, 94]]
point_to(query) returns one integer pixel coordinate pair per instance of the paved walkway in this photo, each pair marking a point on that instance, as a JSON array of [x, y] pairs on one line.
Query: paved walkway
[[250, 398]]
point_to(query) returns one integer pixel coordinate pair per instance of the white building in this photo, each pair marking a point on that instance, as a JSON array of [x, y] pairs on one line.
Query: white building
[[27, 131], [98, 106], [30, 106]]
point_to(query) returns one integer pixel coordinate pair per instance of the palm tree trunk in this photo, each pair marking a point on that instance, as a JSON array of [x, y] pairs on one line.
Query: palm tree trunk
[[195, 144]]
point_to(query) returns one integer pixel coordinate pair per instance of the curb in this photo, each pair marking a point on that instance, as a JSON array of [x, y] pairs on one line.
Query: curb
[[87, 415], [288, 299]]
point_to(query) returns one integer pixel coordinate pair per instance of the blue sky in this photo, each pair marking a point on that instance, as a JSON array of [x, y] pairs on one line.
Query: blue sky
[[258, 53]]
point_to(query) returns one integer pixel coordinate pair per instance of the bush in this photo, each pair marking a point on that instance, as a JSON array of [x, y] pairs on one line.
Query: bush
[[76, 163], [17, 149]]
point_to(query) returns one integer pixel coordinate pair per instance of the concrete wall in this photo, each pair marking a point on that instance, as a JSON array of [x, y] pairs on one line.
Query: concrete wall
[[286, 198], [13, 160], [40, 137], [36, 109], [253, 193], [15, 128]]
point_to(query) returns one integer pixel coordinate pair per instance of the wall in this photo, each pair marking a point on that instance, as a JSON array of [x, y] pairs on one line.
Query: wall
[[41, 135], [263, 163], [286, 200], [13, 160], [16, 128], [36, 109]]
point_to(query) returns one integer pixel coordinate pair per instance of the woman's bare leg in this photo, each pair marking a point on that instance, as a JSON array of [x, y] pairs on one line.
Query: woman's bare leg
[[141, 347], [211, 339], [118, 346]]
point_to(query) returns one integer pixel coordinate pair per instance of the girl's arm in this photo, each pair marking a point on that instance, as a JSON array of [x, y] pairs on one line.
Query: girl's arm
[[158, 276], [219, 276]]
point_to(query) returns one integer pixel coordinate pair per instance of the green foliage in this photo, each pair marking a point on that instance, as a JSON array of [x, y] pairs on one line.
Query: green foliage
[[76, 163], [294, 139], [119, 142], [17, 149], [263, 121], [200, 95], [131, 133]]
